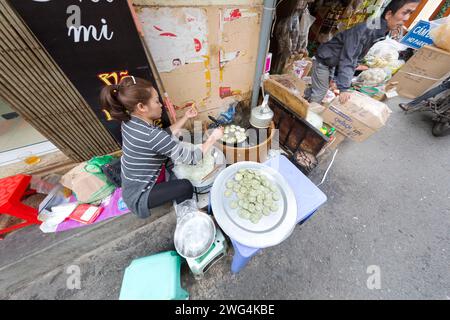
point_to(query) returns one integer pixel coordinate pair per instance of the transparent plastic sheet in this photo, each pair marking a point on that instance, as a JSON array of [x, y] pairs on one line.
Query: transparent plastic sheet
[[45, 184], [306, 21]]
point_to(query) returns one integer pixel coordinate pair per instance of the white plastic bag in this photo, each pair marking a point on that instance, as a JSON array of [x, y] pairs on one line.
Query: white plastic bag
[[186, 207], [383, 53], [373, 77], [440, 33]]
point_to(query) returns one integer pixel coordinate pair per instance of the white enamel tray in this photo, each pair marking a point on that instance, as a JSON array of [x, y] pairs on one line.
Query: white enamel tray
[[270, 230]]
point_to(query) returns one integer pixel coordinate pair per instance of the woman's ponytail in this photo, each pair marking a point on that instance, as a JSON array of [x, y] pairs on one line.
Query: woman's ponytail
[[120, 100], [110, 100]]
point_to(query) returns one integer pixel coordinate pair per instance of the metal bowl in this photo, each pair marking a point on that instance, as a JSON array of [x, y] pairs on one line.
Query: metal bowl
[[194, 235]]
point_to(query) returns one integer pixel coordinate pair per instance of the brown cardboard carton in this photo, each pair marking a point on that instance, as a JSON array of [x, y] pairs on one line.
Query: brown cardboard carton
[[359, 118], [427, 68], [331, 146]]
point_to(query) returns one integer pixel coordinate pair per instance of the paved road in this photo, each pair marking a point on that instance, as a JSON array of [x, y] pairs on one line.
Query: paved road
[[388, 209]]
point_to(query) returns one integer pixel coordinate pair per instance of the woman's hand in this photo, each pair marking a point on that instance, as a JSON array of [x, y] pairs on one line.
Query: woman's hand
[[191, 113], [177, 126]]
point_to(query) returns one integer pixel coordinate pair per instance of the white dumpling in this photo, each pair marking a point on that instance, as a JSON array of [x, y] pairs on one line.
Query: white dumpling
[[274, 207], [255, 218]]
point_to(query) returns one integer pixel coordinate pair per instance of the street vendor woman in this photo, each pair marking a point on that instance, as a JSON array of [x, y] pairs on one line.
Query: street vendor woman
[[146, 147], [342, 54]]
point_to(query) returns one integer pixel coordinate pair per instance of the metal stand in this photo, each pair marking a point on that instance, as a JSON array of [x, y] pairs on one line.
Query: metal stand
[[216, 252]]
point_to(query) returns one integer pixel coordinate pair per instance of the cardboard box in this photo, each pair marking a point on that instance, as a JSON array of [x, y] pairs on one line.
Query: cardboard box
[[427, 68], [331, 146], [359, 118]]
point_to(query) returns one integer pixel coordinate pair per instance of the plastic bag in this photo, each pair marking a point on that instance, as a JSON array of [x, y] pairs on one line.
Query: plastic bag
[[382, 54], [441, 34], [45, 184], [291, 34], [373, 77], [88, 182], [186, 207], [314, 119], [385, 54], [194, 231], [306, 21], [52, 219]]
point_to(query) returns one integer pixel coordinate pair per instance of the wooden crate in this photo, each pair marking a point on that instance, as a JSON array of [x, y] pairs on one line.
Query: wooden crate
[[295, 133]]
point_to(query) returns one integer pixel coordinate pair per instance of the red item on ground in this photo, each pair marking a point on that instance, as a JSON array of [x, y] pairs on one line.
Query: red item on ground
[[12, 190], [86, 213]]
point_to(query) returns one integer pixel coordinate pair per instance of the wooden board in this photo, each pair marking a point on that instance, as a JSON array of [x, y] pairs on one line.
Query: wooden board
[[295, 102]]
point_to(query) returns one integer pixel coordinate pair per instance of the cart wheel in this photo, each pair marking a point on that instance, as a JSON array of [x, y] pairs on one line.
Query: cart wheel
[[441, 129]]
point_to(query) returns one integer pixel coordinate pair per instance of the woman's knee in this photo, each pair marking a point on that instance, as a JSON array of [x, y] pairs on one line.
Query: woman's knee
[[186, 187]]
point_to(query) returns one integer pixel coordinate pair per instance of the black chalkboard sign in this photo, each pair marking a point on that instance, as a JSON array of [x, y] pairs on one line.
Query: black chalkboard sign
[[95, 42]]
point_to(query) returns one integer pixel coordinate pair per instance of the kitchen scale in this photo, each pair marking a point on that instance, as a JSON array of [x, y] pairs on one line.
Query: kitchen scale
[[215, 252]]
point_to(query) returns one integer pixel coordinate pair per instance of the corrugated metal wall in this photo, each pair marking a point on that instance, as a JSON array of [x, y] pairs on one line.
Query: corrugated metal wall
[[34, 86]]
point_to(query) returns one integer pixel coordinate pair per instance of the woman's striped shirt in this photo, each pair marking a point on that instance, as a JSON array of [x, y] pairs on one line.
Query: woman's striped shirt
[[145, 149]]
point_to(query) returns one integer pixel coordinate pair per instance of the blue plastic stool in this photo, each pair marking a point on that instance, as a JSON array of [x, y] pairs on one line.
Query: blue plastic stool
[[156, 277], [309, 199]]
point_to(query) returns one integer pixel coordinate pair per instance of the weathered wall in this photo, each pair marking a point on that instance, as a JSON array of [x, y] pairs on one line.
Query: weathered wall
[[216, 43]]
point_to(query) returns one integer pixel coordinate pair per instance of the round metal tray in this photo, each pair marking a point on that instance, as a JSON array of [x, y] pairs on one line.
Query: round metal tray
[[270, 230], [194, 235]]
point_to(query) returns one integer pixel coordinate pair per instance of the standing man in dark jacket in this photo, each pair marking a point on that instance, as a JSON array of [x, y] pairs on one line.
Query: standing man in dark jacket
[[346, 49]]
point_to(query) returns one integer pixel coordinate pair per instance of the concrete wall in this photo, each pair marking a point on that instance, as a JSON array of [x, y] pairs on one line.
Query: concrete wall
[[203, 49]]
